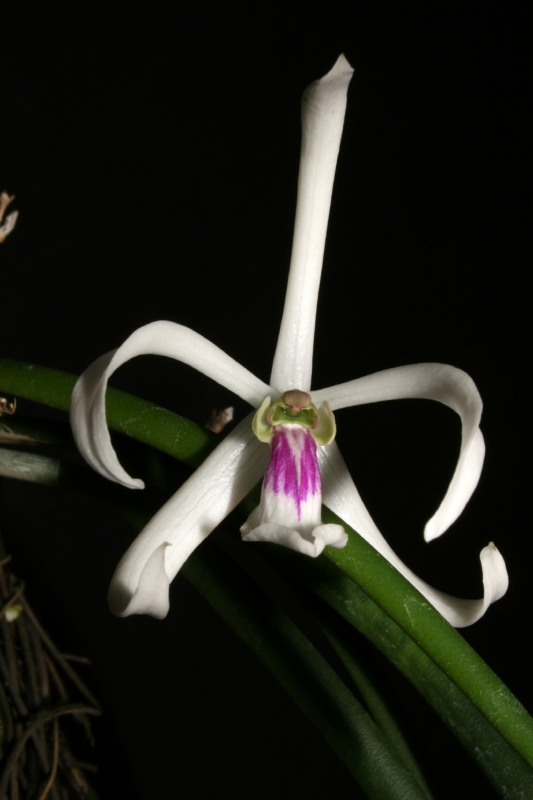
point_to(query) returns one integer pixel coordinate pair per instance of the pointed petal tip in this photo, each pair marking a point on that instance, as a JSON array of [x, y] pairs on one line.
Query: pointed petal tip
[[341, 65], [463, 483], [495, 577], [152, 593], [431, 531], [343, 498], [340, 74], [462, 613]]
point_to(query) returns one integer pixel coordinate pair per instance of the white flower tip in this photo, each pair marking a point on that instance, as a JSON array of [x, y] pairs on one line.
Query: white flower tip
[[431, 531], [495, 577], [463, 483], [341, 66], [462, 613], [330, 534], [151, 595], [319, 94], [89, 426], [339, 75]]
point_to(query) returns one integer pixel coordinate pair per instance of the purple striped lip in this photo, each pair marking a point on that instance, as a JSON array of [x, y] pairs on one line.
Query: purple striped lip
[[293, 466]]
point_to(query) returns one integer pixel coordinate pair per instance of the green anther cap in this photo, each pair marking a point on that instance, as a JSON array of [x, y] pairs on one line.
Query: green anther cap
[[296, 400]]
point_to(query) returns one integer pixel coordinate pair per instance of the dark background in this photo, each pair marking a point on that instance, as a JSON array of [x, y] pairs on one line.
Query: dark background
[[154, 155]]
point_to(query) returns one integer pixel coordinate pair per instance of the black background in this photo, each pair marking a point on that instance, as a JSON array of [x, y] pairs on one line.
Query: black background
[[154, 152]]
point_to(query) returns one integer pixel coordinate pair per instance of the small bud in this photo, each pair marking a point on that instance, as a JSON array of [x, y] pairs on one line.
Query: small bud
[[219, 419]]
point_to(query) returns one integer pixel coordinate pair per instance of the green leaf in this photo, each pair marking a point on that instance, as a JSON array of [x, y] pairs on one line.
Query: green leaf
[[435, 637], [283, 649], [143, 421], [304, 674], [508, 772], [372, 694], [397, 600]]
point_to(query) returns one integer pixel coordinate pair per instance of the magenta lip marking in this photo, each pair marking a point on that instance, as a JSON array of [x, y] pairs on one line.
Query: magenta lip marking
[[293, 466]]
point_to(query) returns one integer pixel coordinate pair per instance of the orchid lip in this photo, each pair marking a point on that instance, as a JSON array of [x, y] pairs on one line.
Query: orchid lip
[[305, 464]]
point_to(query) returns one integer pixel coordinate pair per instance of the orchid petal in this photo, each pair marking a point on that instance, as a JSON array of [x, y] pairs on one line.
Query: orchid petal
[[341, 496], [323, 109], [448, 385], [141, 580], [162, 338]]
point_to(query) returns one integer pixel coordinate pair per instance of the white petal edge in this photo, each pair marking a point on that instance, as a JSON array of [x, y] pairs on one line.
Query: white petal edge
[[141, 580], [341, 496], [323, 110], [8, 225], [87, 413], [440, 382], [330, 534]]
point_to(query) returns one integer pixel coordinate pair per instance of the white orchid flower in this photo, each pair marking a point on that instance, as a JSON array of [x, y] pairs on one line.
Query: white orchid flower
[[297, 423]]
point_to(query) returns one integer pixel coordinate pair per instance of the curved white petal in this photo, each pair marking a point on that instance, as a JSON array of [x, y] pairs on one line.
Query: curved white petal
[[87, 413], [323, 109], [340, 494], [440, 382], [141, 580]]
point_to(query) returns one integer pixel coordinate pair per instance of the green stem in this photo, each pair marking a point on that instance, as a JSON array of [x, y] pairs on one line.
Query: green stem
[[365, 567], [508, 772], [305, 676], [283, 649], [372, 697], [435, 636], [144, 421]]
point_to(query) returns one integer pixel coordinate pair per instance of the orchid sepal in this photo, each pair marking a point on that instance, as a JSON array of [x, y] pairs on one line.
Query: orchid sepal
[[184, 521], [87, 413], [323, 111]]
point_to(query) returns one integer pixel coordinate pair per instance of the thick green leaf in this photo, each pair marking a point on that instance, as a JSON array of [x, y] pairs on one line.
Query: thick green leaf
[[144, 421], [284, 650], [508, 772], [400, 601], [372, 695], [435, 636], [304, 674]]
